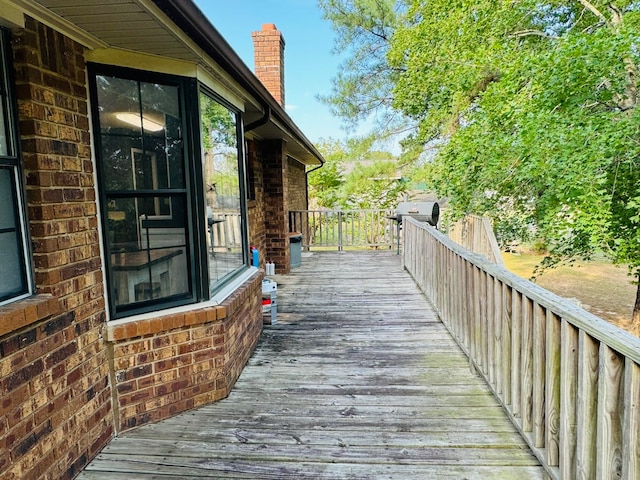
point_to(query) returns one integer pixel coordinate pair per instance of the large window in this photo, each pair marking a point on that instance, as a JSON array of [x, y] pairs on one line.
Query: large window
[[173, 221], [222, 175], [14, 269]]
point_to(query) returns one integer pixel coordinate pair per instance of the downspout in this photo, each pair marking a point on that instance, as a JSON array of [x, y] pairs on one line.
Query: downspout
[[307, 181], [261, 121], [258, 123]]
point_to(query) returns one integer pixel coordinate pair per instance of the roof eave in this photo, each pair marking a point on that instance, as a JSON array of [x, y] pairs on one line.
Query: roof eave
[[188, 17]]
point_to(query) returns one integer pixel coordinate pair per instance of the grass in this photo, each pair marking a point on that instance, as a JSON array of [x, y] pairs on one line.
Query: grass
[[602, 288]]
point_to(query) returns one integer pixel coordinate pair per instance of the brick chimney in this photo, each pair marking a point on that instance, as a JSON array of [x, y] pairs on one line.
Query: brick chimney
[[268, 51]]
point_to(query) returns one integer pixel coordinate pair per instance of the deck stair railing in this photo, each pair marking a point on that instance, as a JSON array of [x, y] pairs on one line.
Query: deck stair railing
[[345, 228], [569, 380]]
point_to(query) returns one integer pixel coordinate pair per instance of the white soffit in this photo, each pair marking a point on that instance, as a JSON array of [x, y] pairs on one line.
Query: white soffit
[[111, 28]]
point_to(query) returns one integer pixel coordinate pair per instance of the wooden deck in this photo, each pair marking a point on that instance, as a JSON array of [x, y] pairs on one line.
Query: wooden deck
[[358, 380]]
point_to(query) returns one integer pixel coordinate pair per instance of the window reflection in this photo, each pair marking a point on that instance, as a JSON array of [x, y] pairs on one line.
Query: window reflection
[[4, 147], [14, 251], [12, 268], [142, 175], [221, 175]]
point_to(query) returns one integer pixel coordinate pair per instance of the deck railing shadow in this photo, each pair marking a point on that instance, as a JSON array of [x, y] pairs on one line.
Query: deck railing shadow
[[569, 380]]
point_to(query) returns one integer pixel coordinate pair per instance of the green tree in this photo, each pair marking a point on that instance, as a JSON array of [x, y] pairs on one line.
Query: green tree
[[218, 124], [374, 184], [356, 176], [325, 183], [363, 86], [537, 101]]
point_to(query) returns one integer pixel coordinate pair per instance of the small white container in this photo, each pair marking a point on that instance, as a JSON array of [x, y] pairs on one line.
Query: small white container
[[269, 302]]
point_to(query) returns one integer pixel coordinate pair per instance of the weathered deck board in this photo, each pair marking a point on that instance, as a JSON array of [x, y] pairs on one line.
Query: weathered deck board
[[358, 380]]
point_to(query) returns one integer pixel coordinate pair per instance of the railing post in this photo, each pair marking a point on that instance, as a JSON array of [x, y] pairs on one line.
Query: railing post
[[340, 231], [568, 399], [631, 439]]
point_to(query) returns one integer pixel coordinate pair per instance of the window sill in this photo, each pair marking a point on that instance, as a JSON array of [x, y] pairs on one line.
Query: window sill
[[21, 313]]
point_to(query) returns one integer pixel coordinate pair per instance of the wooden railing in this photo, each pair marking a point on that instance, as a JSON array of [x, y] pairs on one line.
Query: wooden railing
[[345, 228], [225, 231], [569, 380], [476, 234]]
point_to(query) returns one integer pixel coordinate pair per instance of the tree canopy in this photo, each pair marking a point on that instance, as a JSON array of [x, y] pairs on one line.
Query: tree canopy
[[363, 86], [356, 177], [535, 105]]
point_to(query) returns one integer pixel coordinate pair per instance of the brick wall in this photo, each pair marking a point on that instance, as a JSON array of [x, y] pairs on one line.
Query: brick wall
[[172, 363], [255, 210], [284, 188], [55, 409], [297, 180], [276, 186], [242, 327]]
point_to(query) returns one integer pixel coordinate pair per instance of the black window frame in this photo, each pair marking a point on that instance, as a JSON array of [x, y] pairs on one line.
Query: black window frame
[[183, 85], [243, 184], [12, 162], [196, 227]]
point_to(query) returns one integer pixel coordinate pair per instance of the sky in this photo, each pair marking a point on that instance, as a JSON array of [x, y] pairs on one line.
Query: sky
[[309, 62]]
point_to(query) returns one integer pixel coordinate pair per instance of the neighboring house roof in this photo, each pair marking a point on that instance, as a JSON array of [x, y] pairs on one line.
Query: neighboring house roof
[[174, 29]]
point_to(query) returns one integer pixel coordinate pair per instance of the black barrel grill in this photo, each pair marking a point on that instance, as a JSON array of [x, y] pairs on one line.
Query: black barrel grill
[[428, 212]]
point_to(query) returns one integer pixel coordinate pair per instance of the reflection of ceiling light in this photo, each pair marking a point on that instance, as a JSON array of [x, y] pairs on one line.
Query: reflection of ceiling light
[[134, 119]]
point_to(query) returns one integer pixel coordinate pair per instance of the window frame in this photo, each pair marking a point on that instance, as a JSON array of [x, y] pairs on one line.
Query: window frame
[[12, 162], [194, 293], [215, 288], [189, 89]]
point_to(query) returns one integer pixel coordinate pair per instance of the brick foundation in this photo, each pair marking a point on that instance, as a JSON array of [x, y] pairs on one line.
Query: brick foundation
[[172, 363], [55, 412]]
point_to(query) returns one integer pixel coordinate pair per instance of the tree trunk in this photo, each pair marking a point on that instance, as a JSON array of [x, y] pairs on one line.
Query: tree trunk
[[629, 100], [635, 318]]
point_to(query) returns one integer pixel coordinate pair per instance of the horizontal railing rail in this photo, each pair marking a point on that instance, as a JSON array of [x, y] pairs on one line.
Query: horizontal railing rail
[[345, 228], [569, 380]]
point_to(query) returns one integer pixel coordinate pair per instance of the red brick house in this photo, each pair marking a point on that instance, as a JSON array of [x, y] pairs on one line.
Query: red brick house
[[139, 160]]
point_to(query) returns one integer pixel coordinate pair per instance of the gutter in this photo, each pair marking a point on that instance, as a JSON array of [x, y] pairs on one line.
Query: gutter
[[188, 17], [261, 121], [316, 168]]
